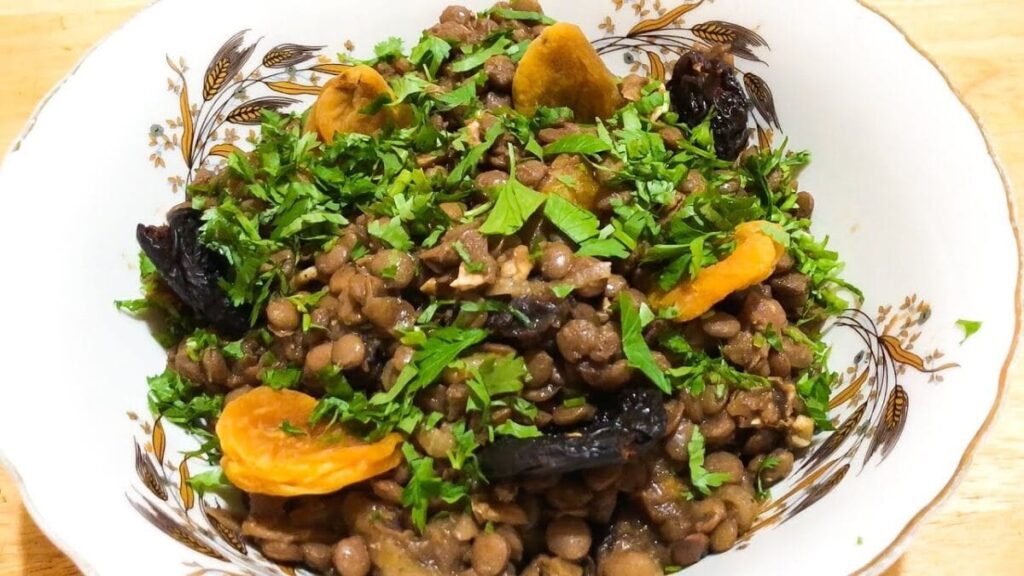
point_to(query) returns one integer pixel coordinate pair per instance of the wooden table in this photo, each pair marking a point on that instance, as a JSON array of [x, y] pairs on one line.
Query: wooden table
[[977, 43]]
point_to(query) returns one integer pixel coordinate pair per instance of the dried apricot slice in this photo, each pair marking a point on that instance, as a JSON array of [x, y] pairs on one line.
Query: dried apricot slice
[[571, 178], [343, 101], [261, 456], [561, 68], [752, 261]]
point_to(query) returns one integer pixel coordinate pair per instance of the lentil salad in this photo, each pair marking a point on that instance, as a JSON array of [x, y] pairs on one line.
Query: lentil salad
[[477, 312]]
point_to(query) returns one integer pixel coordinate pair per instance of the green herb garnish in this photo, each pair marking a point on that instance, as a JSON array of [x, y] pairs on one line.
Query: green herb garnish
[[515, 204], [767, 463], [291, 429], [424, 485], [635, 347], [282, 378], [970, 328], [701, 479]]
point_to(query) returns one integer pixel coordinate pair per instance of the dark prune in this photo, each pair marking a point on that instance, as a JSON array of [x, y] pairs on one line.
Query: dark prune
[[700, 83], [192, 270], [629, 426], [529, 321], [376, 356]]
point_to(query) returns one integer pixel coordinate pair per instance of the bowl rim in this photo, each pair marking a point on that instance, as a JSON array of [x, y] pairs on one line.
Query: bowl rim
[[898, 546], [880, 561]]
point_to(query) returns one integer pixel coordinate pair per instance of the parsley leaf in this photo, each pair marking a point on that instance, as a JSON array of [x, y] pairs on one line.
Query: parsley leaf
[[603, 248], [198, 342], [526, 15], [579, 143], [178, 401], [701, 479], [282, 378], [635, 347], [814, 386], [475, 154], [430, 53], [393, 234], [369, 420], [504, 374], [495, 377], [477, 58], [389, 48], [697, 369], [442, 347], [209, 481], [562, 290], [577, 223], [291, 429], [767, 463], [574, 402], [333, 380], [133, 307], [404, 87], [514, 206], [461, 96], [233, 350], [472, 266], [516, 430], [462, 456], [970, 328], [424, 485]]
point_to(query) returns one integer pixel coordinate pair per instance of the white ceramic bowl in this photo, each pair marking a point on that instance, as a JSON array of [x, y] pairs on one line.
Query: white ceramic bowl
[[904, 185]]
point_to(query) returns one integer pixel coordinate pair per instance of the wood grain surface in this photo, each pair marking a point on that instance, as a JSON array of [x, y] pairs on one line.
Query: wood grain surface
[[977, 43]]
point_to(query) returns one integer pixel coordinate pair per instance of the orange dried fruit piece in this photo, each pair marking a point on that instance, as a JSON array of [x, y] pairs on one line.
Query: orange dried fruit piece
[[261, 457], [562, 68], [753, 261], [572, 178], [341, 105]]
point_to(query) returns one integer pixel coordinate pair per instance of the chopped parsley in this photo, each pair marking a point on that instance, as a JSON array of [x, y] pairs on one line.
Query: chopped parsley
[[495, 377], [233, 350], [525, 15], [209, 481], [158, 305], [430, 53], [179, 401], [477, 58], [580, 143], [392, 233], [281, 378], [767, 463], [513, 207], [574, 402], [291, 429], [198, 342], [389, 48], [970, 328], [696, 369], [376, 416], [635, 347], [472, 266], [425, 485], [516, 430], [701, 479], [577, 223], [562, 290]]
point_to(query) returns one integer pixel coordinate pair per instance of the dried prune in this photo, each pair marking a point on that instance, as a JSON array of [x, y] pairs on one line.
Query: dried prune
[[369, 372], [626, 428], [701, 82], [192, 270], [529, 321]]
